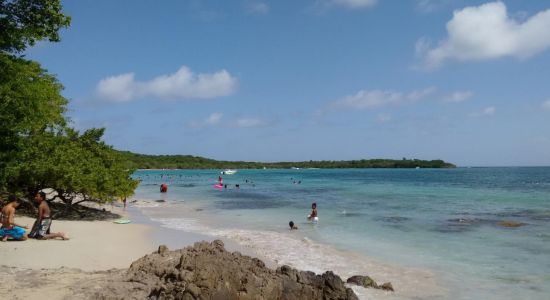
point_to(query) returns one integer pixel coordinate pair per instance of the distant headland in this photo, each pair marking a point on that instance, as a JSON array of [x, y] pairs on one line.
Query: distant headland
[[144, 161]]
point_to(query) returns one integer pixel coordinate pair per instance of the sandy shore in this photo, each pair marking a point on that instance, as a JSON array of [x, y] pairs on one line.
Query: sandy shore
[[35, 269], [52, 269], [97, 245]]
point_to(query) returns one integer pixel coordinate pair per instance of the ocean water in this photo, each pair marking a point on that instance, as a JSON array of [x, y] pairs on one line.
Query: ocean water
[[434, 233]]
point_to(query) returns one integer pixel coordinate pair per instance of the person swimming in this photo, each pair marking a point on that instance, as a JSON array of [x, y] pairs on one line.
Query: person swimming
[[313, 215], [292, 226]]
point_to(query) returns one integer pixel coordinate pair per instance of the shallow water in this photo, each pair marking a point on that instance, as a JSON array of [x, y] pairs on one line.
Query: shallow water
[[436, 229]]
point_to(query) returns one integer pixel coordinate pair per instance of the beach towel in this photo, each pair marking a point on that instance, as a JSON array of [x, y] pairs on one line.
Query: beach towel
[[15, 232]]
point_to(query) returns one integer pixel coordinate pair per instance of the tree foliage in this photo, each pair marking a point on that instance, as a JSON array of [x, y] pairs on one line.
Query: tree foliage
[[24, 22], [37, 148], [79, 167], [31, 102], [142, 161]]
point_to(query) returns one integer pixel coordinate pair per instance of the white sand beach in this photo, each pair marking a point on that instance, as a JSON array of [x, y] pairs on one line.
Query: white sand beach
[[93, 245], [48, 269]]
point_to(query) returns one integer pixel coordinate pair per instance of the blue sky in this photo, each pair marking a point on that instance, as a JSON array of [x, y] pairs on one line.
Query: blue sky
[[463, 81]]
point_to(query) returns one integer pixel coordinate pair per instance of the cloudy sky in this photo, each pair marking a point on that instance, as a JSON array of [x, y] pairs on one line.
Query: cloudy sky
[[463, 81]]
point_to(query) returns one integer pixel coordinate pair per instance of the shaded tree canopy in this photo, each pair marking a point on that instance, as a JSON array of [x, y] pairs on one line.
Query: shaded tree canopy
[[79, 167]]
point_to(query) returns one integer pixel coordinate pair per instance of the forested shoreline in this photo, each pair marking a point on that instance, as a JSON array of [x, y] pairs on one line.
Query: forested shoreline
[[143, 161]]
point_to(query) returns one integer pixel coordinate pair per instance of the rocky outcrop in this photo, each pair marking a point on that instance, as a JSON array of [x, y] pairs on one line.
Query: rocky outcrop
[[367, 282], [208, 271], [386, 286], [364, 281]]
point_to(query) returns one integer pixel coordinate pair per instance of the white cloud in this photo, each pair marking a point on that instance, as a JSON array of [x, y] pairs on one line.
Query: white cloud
[[216, 120], [376, 98], [546, 104], [249, 123], [212, 120], [488, 111], [487, 32], [352, 4], [117, 88], [383, 118], [459, 96], [180, 85], [257, 8]]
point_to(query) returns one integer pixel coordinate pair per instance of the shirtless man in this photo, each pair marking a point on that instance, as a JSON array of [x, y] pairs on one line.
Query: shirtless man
[[7, 217], [41, 228]]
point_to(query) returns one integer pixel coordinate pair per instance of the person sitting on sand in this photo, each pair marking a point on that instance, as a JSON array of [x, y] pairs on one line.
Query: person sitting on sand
[[41, 228], [292, 226], [313, 213], [9, 228]]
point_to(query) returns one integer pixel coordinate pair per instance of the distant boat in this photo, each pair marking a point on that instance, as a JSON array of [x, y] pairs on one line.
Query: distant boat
[[228, 172], [417, 167], [294, 168]]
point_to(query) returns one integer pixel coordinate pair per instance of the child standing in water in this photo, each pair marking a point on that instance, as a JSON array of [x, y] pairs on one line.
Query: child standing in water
[[313, 215]]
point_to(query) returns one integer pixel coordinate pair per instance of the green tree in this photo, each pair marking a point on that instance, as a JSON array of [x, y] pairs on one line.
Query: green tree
[[24, 22], [30, 103], [78, 167], [37, 149]]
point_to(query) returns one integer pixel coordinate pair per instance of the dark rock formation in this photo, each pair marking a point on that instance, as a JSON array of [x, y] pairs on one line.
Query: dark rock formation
[[366, 281], [386, 286], [208, 271]]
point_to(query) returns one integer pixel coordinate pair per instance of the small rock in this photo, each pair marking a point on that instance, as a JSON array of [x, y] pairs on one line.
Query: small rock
[[194, 290], [386, 286], [218, 244], [364, 281], [162, 249]]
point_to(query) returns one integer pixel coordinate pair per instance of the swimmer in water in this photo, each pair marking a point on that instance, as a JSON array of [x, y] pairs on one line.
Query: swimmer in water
[[313, 213], [292, 226]]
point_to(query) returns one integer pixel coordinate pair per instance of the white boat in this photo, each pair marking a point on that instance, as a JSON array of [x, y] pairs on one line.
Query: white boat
[[228, 172]]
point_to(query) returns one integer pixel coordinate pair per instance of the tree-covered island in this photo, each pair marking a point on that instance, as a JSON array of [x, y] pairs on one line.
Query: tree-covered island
[[142, 161]]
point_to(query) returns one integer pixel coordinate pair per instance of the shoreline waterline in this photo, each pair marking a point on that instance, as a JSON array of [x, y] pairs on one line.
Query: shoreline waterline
[[291, 248], [448, 222]]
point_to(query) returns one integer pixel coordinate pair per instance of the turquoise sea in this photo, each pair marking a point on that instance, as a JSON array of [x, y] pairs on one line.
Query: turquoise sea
[[434, 233]]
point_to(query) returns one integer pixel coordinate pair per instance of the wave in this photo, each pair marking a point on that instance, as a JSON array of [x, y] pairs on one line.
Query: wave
[[291, 248]]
